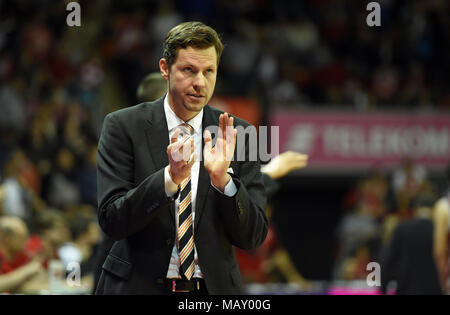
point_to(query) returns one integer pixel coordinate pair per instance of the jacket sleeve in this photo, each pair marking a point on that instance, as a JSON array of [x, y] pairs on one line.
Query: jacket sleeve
[[124, 207], [244, 214]]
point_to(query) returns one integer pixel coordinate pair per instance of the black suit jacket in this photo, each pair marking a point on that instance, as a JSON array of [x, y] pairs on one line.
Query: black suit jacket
[[135, 211]]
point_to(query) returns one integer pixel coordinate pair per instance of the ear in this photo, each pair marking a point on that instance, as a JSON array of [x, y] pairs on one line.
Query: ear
[[164, 68]]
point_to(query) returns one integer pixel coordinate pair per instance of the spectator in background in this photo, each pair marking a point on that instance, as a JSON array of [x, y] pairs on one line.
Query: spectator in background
[[441, 219], [2, 197], [13, 238], [359, 231], [18, 273], [21, 185], [87, 177], [82, 249], [271, 262], [85, 235], [50, 231], [13, 107], [408, 258], [63, 189], [408, 181], [152, 87]]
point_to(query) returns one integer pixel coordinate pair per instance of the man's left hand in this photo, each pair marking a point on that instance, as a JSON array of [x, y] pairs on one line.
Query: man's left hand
[[217, 160]]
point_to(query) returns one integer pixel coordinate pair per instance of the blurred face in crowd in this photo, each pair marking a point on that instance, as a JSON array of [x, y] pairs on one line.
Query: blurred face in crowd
[[13, 235], [192, 79]]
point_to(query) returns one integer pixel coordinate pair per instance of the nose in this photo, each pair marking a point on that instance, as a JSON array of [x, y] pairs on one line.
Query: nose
[[199, 81]]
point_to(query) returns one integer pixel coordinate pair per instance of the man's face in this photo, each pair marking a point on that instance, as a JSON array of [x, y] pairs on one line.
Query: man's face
[[192, 79]]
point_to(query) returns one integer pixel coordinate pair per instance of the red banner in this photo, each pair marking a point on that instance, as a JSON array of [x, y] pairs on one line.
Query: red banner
[[347, 140]]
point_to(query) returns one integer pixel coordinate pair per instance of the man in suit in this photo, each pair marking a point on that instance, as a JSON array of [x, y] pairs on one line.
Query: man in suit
[[156, 188]]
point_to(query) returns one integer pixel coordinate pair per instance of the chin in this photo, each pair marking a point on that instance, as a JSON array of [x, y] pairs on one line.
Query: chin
[[194, 107]]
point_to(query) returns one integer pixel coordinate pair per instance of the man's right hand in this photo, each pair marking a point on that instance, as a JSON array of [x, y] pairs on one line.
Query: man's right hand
[[181, 157]]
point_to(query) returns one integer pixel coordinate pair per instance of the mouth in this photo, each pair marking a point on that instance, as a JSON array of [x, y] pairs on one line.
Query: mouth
[[196, 96]]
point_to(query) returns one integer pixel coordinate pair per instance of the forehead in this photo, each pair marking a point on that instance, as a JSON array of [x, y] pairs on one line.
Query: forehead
[[199, 57]]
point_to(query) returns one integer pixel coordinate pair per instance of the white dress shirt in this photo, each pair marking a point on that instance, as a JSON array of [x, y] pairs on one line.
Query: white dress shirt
[[171, 188]]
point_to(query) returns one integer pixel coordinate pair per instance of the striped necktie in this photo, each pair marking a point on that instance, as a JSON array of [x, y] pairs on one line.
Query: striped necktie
[[185, 231]]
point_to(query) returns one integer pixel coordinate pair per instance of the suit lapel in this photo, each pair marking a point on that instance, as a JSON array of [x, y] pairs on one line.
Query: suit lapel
[[157, 134], [158, 138]]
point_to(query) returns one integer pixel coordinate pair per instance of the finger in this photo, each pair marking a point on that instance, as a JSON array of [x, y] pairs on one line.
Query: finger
[[230, 130], [225, 123], [175, 155], [178, 145], [187, 149], [208, 141], [229, 137], [192, 160], [220, 121], [174, 146], [174, 137], [231, 121], [302, 160], [175, 150], [230, 143]]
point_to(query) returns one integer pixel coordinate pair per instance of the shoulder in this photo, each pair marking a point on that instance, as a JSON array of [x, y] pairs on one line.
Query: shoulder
[[134, 115], [217, 112], [129, 112]]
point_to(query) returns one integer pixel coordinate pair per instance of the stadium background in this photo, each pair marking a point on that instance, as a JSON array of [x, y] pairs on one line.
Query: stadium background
[[305, 66]]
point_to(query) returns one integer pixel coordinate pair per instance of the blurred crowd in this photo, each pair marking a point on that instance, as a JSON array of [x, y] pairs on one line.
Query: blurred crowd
[[395, 219], [58, 82]]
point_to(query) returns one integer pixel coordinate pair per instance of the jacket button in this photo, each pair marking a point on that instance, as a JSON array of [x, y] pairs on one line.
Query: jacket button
[[240, 207], [169, 241]]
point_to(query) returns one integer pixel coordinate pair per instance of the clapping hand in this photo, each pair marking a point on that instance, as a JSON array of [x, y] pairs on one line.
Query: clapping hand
[[181, 156], [217, 159]]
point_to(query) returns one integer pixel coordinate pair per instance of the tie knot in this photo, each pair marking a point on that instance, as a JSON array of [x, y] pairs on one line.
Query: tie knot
[[185, 129]]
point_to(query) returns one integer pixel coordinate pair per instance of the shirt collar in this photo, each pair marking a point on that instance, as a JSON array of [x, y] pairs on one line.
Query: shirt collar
[[173, 120]]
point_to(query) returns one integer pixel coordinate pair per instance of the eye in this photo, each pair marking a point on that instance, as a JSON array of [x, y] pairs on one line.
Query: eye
[[187, 69]]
